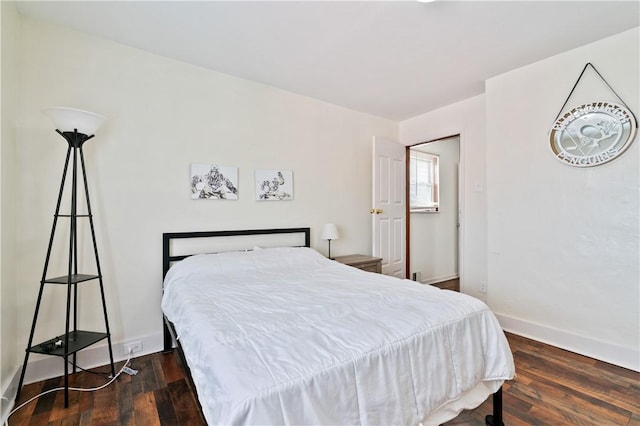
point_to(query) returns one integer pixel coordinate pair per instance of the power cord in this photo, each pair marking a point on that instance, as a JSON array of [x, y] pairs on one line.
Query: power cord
[[97, 373], [124, 369]]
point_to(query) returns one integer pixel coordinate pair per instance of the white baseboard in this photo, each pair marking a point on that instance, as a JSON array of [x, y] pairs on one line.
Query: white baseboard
[[613, 354], [43, 367], [8, 397]]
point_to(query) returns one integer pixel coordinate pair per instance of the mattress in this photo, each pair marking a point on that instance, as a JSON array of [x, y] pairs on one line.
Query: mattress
[[287, 336]]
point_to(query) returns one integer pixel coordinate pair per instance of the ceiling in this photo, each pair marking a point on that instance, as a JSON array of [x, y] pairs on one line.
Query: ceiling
[[393, 59]]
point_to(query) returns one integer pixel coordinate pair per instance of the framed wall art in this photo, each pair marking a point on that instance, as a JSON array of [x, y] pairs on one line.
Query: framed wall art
[[274, 185], [213, 182]]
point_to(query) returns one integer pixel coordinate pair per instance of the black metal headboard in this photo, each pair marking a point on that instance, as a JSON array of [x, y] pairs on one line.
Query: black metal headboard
[[167, 237]]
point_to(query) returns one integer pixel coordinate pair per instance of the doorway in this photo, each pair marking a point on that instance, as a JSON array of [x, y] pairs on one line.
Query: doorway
[[433, 212]]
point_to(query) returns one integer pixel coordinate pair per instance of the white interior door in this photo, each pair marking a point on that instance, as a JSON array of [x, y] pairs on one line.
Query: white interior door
[[389, 206]]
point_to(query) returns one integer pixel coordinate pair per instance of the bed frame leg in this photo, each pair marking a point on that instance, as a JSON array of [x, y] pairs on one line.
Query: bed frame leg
[[168, 338], [496, 418]]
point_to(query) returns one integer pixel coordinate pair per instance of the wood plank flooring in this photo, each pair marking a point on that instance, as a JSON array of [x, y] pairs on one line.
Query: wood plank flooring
[[553, 387], [452, 284]]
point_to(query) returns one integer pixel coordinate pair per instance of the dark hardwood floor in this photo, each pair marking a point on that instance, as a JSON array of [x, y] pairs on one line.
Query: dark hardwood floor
[[553, 387], [453, 284], [157, 395], [557, 387]]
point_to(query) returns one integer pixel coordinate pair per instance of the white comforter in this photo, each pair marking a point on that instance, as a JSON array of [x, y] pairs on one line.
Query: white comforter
[[286, 336]]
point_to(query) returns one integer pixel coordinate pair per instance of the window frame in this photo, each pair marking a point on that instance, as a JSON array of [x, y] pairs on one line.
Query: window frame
[[431, 205]]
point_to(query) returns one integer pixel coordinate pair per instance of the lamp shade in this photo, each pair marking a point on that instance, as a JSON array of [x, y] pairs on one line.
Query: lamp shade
[[330, 232], [70, 119]]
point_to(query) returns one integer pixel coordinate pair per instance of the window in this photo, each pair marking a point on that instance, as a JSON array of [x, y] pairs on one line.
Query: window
[[423, 182]]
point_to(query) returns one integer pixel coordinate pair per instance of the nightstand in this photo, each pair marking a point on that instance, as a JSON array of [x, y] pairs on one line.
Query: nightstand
[[360, 261]]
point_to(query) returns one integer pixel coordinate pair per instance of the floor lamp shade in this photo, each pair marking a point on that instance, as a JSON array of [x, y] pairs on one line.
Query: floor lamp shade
[[71, 119]]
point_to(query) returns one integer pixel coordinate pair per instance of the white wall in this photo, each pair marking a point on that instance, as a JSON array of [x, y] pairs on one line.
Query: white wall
[[466, 118], [163, 115], [563, 263], [562, 244], [8, 287], [433, 237]]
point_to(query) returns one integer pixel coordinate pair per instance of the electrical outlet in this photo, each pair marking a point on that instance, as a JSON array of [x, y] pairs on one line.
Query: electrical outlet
[[132, 347], [483, 287]]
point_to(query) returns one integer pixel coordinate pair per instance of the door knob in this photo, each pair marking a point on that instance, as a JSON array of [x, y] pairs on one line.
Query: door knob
[[376, 211]]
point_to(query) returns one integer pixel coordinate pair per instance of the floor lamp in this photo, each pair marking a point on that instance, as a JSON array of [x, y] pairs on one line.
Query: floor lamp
[[76, 127]]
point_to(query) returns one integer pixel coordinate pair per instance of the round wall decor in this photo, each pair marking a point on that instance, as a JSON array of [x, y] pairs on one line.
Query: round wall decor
[[592, 134]]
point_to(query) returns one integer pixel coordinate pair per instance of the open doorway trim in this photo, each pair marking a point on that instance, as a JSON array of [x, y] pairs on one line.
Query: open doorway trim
[[460, 194]]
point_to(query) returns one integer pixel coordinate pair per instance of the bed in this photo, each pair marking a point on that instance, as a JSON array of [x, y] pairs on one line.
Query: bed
[[283, 335]]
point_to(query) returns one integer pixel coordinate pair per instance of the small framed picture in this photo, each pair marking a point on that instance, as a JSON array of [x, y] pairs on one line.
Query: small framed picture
[[274, 185], [213, 182]]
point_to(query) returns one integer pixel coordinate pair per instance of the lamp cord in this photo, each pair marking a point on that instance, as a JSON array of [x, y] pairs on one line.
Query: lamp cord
[[72, 389]]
